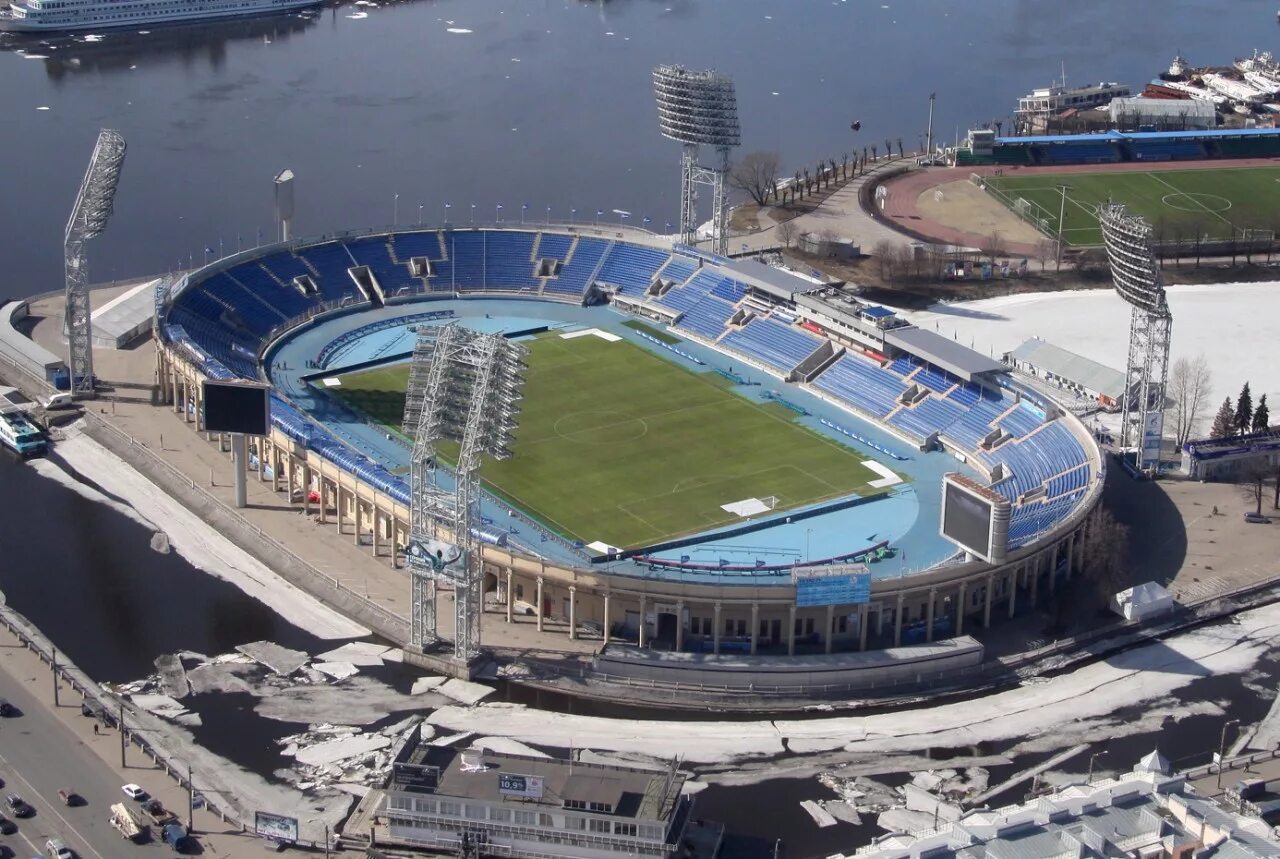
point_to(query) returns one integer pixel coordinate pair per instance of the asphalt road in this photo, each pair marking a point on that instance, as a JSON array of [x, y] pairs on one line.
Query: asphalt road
[[38, 756]]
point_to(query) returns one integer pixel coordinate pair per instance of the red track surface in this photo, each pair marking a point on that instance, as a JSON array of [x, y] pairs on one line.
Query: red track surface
[[900, 206]]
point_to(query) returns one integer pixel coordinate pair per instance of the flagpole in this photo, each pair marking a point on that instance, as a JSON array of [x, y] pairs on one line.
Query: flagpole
[[933, 96]]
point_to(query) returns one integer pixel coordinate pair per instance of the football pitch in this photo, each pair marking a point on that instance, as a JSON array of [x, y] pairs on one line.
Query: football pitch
[[1179, 204], [619, 445]]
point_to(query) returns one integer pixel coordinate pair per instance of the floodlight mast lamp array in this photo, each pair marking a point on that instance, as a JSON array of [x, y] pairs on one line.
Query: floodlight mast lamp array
[[1136, 273], [470, 393], [88, 219], [696, 109]]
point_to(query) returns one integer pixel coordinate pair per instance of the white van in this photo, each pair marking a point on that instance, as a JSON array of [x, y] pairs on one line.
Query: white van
[[61, 400]]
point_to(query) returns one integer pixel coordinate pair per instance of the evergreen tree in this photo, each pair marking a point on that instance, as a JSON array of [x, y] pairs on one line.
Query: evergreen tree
[[1261, 415], [1244, 410], [1224, 422]]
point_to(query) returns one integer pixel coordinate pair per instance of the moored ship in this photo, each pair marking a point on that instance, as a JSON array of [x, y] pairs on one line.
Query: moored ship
[[42, 16]]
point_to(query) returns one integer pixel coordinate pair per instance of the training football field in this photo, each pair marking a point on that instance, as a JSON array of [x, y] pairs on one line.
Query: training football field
[[1180, 204], [619, 445]]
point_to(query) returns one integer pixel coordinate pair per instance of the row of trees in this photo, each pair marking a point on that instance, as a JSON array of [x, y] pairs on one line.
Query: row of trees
[[758, 174], [1243, 418]]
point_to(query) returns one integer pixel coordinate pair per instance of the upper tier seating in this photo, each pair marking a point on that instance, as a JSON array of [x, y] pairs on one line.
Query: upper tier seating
[[632, 267]]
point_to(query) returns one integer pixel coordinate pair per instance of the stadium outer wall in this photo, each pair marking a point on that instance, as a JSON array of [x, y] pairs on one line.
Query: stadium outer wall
[[582, 598]]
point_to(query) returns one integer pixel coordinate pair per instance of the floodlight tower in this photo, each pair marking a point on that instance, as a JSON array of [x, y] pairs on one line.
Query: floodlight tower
[[696, 108], [283, 184], [88, 220], [464, 387], [1136, 273]]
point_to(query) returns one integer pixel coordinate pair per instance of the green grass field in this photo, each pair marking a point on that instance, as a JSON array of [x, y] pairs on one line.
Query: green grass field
[[1180, 204], [620, 445]]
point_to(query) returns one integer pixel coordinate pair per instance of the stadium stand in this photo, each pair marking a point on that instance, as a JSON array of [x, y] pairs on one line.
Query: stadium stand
[[1115, 146], [227, 315], [632, 267], [771, 343]]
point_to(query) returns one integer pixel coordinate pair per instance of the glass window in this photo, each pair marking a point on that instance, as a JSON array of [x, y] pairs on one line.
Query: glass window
[[526, 818], [602, 806], [400, 803], [427, 806], [545, 820], [451, 808], [575, 823], [502, 814], [624, 829], [476, 812], [598, 825]]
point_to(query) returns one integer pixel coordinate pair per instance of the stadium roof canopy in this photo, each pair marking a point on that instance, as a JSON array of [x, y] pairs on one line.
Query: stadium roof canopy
[[766, 278], [943, 352], [1117, 136], [1190, 109], [1086, 372]]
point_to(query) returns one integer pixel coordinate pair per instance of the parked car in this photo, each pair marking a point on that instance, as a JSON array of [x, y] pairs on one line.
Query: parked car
[[135, 792], [57, 850], [1257, 518], [70, 798], [7, 709], [7, 826], [19, 806]]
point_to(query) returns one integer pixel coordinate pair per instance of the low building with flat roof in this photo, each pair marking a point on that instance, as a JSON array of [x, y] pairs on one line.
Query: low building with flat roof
[[539, 807], [1069, 371]]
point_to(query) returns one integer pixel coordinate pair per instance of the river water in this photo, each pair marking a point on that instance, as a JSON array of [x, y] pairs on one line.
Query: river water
[[543, 102]]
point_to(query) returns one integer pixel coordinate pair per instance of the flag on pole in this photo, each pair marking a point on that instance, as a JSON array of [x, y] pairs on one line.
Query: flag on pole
[[448, 205], [684, 559], [208, 249], [669, 225], [646, 220], [524, 205], [599, 212], [499, 205]]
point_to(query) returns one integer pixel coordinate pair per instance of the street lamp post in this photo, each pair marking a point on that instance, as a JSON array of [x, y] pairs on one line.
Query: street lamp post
[[420, 205], [325, 824], [1062, 213], [1222, 746], [395, 209], [1093, 757]]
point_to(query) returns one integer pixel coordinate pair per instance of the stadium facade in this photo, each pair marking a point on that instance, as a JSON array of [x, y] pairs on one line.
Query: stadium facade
[[242, 316]]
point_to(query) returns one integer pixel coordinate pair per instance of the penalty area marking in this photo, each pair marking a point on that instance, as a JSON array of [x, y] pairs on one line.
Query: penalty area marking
[[592, 332], [887, 477]]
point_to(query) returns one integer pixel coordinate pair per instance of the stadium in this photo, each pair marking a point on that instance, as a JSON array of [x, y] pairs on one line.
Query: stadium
[[702, 437]]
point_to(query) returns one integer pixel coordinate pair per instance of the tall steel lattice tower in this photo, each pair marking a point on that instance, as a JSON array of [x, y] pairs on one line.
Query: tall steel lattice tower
[[88, 220], [464, 387], [697, 108], [1136, 273]]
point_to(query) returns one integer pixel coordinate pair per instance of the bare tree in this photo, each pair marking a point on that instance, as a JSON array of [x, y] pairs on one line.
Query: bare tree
[[883, 252], [1105, 552], [1046, 251], [1190, 382], [787, 232], [993, 246], [755, 174], [1252, 479]]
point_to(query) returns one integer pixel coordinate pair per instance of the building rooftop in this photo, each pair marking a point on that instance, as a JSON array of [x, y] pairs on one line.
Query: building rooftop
[[943, 352], [774, 281], [1068, 365], [489, 776]]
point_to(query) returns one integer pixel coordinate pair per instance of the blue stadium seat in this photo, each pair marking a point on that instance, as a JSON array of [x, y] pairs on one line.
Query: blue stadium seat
[[632, 267], [772, 343], [861, 383]]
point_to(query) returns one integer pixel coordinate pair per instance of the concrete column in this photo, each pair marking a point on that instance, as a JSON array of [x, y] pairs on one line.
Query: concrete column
[[986, 609], [1013, 591], [755, 626], [262, 459], [864, 618], [391, 526], [324, 499], [644, 607], [573, 613], [289, 482], [1053, 568], [511, 593], [831, 626], [608, 622], [1071, 551], [928, 617], [961, 606], [679, 626], [1034, 568], [377, 530], [715, 628], [355, 531], [275, 469], [538, 612], [791, 630], [897, 622]]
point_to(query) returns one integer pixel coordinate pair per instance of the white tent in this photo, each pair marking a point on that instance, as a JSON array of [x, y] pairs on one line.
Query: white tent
[[1142, 602]]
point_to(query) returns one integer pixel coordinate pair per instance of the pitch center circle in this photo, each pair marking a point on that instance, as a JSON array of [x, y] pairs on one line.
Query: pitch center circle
[[614, 428], [1190, 201]]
